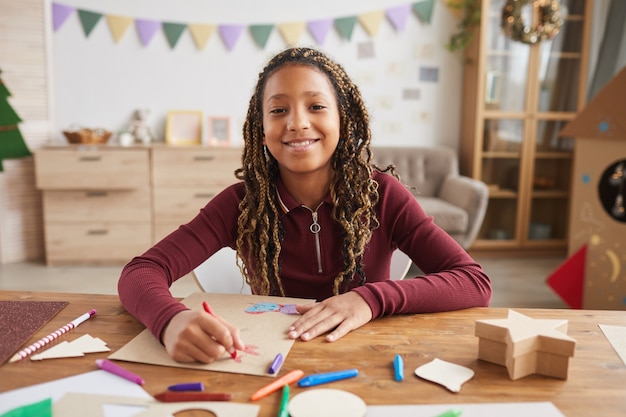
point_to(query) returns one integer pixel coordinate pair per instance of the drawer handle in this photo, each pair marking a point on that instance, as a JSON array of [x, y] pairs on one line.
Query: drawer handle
[[204, 195], [90, 158], [96, 193], [203, 157], [97, 232]]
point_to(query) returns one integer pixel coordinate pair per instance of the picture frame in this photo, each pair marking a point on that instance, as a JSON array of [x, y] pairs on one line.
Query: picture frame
[[184, 127], [218, 131]]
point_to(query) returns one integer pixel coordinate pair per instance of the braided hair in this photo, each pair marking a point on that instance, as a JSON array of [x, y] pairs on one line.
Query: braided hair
[[353, 191]]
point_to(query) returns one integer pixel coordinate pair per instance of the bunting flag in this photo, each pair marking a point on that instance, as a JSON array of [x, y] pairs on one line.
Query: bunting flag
[[201, 33], [230, 34], [173, 32], [291, 32], [88, 20], [319, 29], [118, 25], [345, 26], [146, 30], [398, 16], [371, 22], [60, 13], [261, 33]]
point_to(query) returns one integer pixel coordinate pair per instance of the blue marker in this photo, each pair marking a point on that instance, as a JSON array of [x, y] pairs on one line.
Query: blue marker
[[317, 379], [398, 368]]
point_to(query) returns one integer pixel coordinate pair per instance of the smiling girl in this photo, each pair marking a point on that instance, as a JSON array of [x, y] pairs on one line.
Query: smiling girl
[[311, 218]]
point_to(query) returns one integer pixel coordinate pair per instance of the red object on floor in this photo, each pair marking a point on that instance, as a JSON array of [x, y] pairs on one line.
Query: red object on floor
[[569, 278]]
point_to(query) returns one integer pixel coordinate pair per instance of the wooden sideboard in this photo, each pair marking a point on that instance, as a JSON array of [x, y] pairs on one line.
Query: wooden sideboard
[[106, 204]]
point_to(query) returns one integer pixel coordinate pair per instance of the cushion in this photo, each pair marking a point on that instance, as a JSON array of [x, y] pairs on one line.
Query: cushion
[[450, 218]]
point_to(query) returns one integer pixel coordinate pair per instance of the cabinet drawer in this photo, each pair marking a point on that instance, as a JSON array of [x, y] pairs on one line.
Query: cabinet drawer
[[181, 203], [195, 166], [92, 168], [97, 205], [95, 242]]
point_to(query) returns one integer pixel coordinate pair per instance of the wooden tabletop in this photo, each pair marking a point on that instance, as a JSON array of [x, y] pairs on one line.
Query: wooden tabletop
[[595, 385]]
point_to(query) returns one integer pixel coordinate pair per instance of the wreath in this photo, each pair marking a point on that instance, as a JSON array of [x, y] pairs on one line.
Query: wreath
[[547, 28]]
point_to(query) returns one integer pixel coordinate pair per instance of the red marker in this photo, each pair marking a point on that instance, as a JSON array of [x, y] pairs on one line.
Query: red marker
[[179, 396], [208, 309]]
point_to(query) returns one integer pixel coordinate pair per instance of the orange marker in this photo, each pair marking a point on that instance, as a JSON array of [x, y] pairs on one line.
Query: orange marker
[[286, 379], [208, 309]]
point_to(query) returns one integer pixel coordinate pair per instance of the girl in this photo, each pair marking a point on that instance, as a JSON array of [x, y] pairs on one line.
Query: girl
[[311, 218]]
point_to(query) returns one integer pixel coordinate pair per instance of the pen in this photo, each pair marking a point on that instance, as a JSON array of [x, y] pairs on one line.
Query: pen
[[189, 386], [283, 411], [450, 413], [109, 366], [209, 310], [49, 338], [174, 397], [286, 379], [317, 379], [398, 368], [276, 363]]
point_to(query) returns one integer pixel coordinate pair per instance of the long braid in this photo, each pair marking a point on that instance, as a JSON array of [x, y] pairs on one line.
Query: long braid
[[353, 191]]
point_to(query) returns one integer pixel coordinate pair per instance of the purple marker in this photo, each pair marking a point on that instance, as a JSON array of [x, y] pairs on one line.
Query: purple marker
[[276, 363], [107, 365], [189, 386]]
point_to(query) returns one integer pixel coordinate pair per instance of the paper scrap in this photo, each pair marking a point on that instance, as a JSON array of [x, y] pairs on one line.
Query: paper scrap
[[617, 338], [448, 374], [73, 349]]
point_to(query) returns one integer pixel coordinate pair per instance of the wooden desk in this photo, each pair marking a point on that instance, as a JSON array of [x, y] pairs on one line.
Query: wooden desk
[[595, 385]]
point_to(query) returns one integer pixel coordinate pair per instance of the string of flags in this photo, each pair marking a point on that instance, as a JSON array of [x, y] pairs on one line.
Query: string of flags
[[229, 33]]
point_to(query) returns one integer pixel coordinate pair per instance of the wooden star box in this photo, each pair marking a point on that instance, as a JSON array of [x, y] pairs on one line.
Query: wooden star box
[[526, 346]]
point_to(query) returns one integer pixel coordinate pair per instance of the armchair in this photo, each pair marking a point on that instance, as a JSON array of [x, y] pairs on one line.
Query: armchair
[[457, 203]]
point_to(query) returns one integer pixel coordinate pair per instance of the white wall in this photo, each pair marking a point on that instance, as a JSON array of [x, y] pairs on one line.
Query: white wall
[[98, 83]]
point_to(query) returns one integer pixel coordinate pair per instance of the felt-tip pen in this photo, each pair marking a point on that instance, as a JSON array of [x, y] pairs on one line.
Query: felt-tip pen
[[317, 379]]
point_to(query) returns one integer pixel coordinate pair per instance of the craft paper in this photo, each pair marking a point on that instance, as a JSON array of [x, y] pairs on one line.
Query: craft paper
[[617, 337], [75, 348], [261, 327], [319, 29], [543, 409], [450, 375], [398, 16], [95, 382], [327, 403]]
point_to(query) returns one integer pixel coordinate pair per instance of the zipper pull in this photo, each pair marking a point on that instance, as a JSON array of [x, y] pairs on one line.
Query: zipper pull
[[315, 226]]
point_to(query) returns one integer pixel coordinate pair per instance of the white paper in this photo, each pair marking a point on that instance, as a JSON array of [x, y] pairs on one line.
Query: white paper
[[617, 338], [448, 374], [543, 409]]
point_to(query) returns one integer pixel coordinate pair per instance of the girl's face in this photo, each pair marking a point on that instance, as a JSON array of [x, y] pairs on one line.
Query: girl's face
[[300, 120]]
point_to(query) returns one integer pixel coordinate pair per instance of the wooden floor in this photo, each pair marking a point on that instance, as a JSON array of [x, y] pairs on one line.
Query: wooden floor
[[517, 282]]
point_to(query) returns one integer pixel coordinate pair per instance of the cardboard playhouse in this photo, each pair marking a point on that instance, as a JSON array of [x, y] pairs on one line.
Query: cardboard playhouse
[[594, 275]]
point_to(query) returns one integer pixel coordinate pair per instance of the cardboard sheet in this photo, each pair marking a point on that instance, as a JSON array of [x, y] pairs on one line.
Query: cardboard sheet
[[263, 326]]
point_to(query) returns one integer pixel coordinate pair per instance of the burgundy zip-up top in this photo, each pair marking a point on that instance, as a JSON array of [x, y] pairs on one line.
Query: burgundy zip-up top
[[310, 261]]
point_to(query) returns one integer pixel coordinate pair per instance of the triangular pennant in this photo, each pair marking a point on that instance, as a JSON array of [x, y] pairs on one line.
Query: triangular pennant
[[146, 29], [319, 29], [261, 33], [291, 32], [345, 26], [230, 34], [173, 32], [371, 21], [201, 33], [60, 13], [424, 10], [88, 20], [398, 16], [12, 145], [118, 25]]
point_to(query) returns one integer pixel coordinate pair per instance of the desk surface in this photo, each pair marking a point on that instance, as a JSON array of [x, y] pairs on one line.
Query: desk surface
[[595, 385]]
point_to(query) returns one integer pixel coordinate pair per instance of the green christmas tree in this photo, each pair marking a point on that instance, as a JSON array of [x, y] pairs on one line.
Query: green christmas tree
[[12, 143]]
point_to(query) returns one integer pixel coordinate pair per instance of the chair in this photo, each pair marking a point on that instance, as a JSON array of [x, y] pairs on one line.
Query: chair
[[220, 274]]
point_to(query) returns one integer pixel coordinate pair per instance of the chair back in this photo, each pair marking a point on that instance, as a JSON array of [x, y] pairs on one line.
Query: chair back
[[220, 274]]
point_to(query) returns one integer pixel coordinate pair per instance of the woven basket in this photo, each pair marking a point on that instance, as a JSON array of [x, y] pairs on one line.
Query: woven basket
[[87, 136]]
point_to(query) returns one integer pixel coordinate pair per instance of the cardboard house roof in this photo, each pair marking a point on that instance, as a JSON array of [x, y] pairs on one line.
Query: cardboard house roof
[[603, 117]]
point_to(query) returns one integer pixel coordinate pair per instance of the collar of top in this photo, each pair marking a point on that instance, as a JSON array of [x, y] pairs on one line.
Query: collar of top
[[286, 200]]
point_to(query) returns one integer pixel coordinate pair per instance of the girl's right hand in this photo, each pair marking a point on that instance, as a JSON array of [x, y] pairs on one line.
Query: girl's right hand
[[195, 336]]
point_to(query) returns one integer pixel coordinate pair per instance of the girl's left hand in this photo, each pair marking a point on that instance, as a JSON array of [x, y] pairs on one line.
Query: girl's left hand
[[343, 313]]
